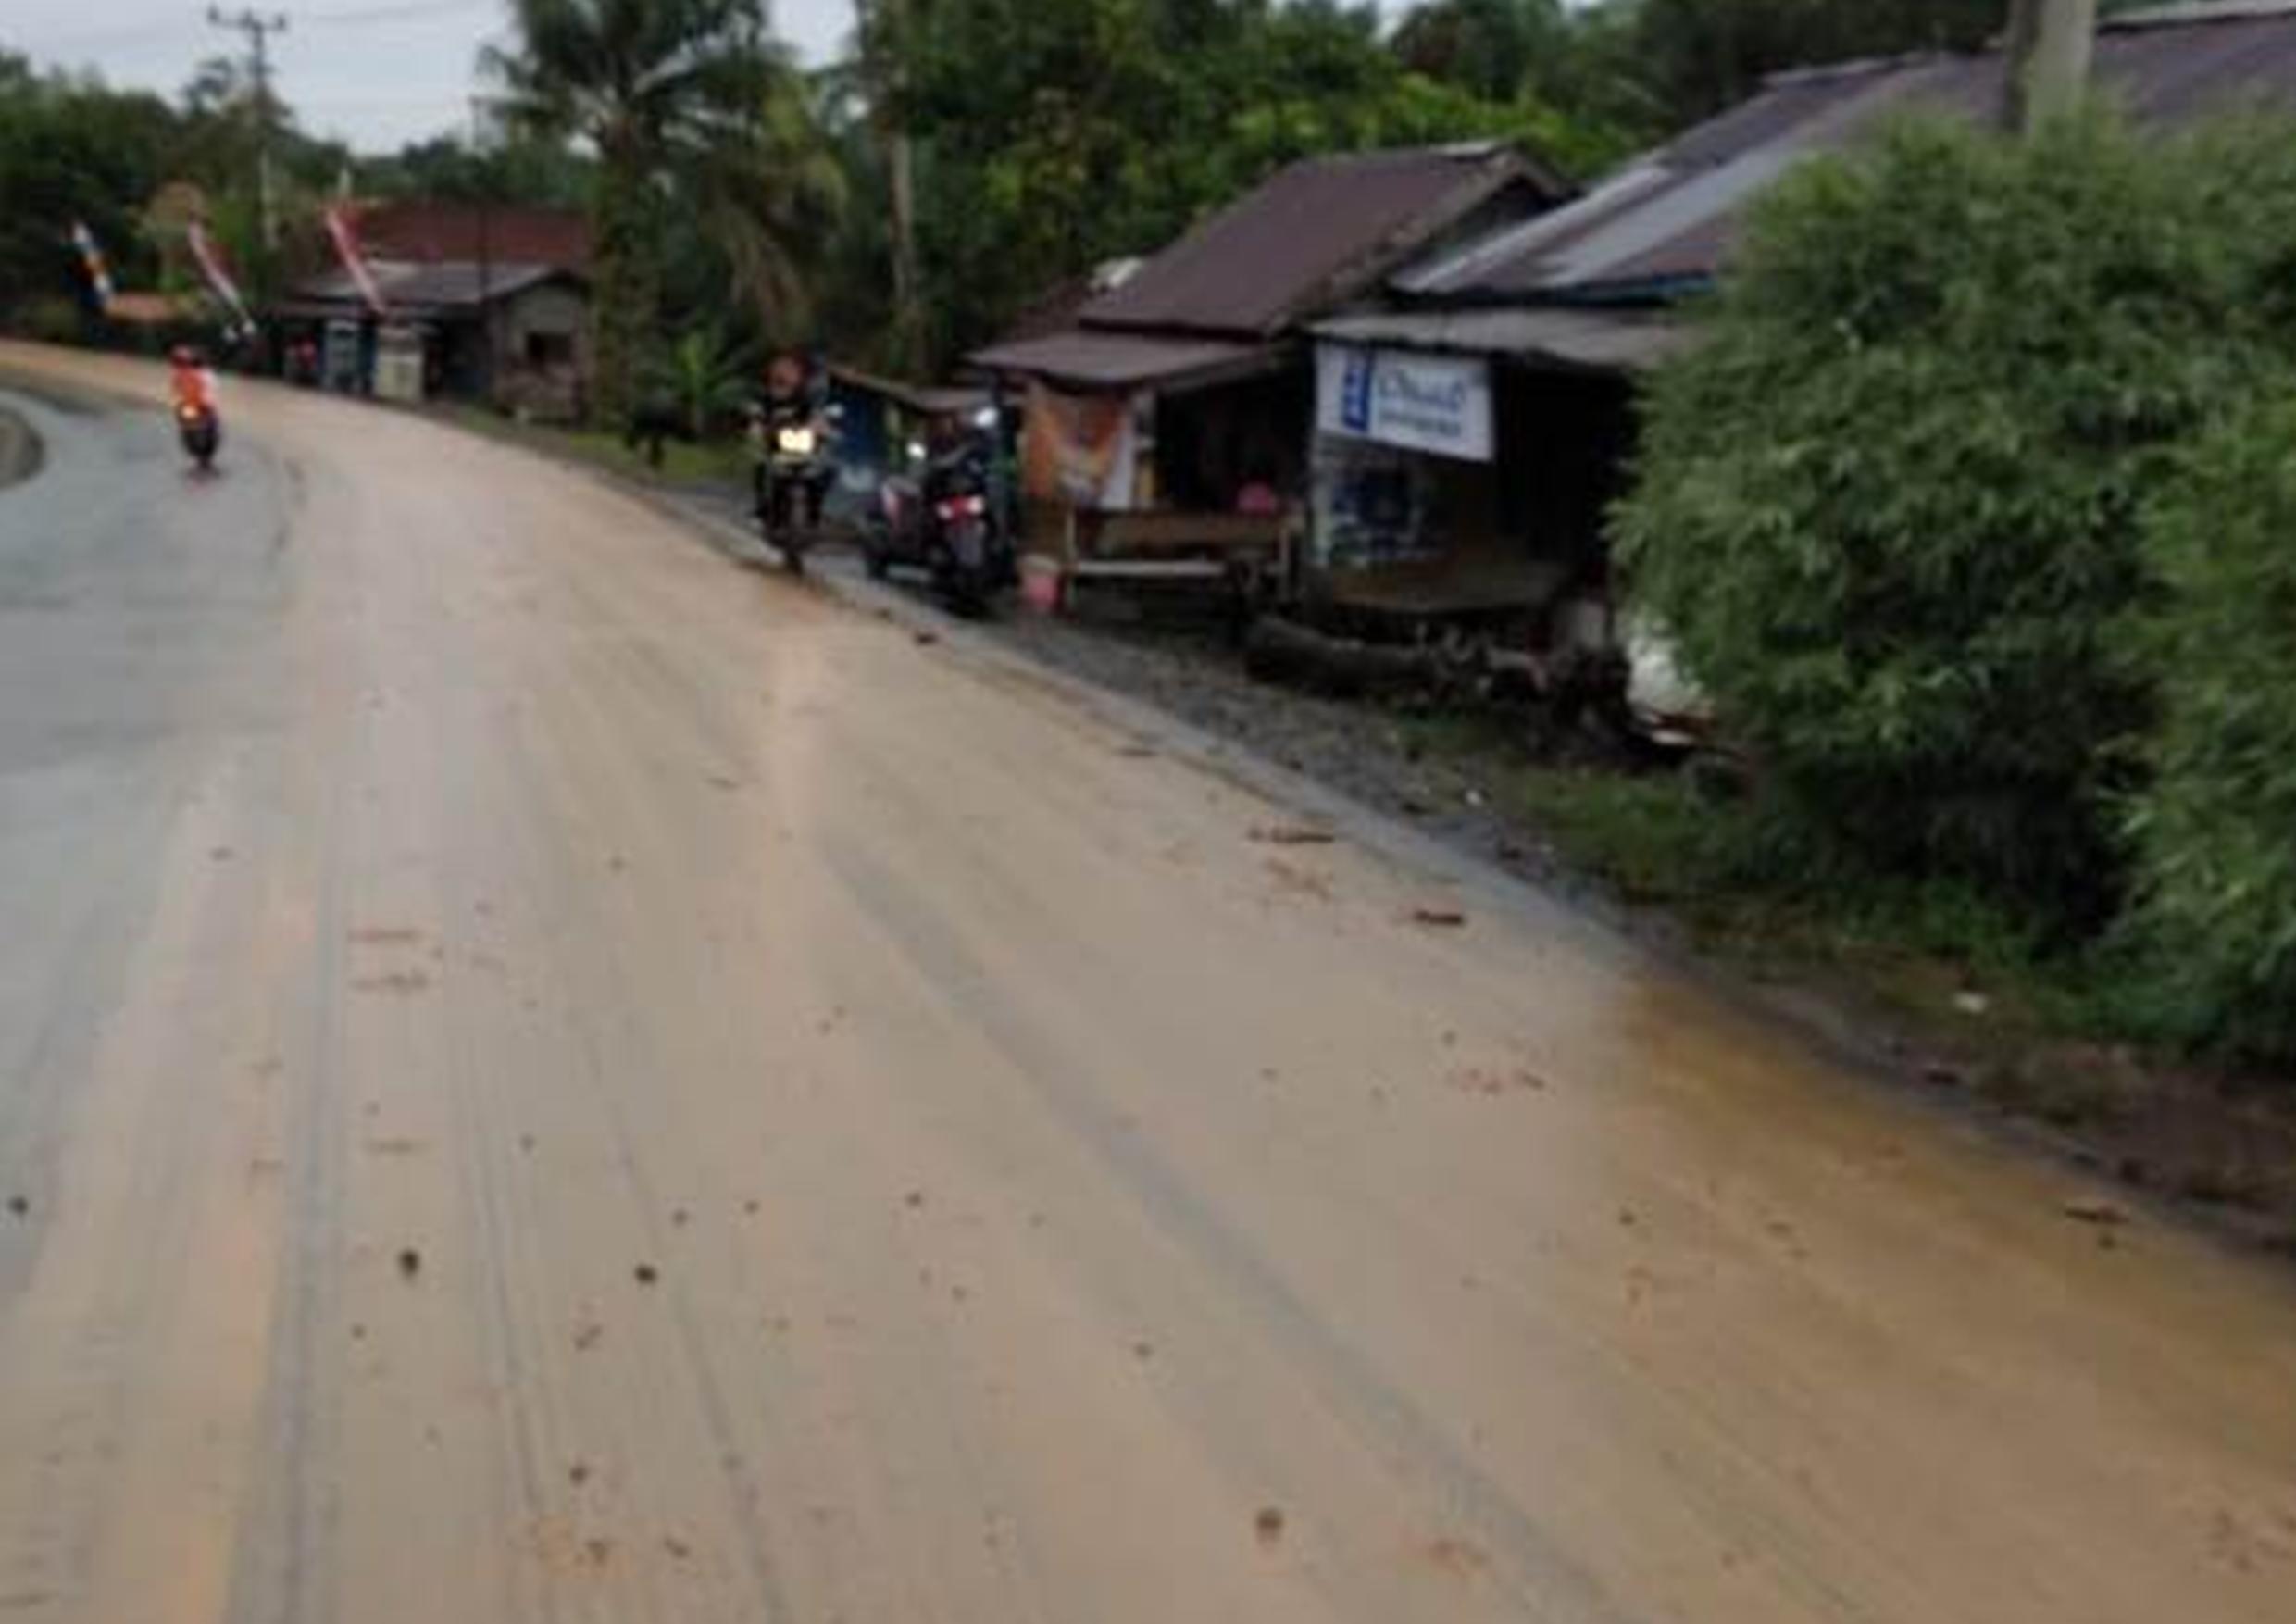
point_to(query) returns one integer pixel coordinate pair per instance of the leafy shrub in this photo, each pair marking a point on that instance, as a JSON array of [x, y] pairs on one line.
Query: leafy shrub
[[1891, 510], [49, 319], [2215, 832]]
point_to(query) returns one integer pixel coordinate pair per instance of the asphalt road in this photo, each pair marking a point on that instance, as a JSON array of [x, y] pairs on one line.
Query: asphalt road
[[544, 1076]]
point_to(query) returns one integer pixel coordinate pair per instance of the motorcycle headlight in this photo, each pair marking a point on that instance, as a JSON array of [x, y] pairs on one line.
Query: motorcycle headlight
[[796, 441]]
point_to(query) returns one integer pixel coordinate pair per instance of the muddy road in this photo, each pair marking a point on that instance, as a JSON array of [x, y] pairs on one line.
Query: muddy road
[[546, 1077]]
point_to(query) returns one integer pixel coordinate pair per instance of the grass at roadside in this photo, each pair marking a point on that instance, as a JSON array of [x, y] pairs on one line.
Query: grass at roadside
[[1651, 839], [723, 461]]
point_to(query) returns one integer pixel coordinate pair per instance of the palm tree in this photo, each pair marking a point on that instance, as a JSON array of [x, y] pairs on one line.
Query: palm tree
[[705, 376], [659, 88], [771, 200]]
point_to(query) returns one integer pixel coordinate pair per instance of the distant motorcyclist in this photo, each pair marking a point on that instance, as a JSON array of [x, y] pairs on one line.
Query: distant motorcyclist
[[190, 382], [790, 437], [191, 387]]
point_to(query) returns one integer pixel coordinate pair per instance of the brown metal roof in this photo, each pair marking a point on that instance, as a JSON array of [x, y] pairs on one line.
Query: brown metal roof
[[925, 399], [436, 229], [1313, 236], [1557, 337], [1098, 360], [1668, 221], [422, 289]]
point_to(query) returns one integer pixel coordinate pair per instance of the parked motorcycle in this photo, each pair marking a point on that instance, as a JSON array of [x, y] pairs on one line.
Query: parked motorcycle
[[792, 477], [945, 522], [199, 431]]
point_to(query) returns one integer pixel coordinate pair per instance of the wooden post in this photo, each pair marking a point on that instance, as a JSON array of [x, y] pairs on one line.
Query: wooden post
[[2049, 48]]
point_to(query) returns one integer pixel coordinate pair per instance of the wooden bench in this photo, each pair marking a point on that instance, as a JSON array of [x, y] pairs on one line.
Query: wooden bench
[[1240, 552]]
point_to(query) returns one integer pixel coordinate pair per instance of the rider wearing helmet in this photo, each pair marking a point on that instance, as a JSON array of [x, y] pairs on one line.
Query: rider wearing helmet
[[789, 438]]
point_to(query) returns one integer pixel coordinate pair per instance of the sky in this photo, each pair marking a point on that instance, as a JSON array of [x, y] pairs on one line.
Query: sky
[[376, 73]]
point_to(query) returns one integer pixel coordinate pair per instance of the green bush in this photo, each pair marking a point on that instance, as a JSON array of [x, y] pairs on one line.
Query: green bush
[[49, 319], [1891, 510], [2216, 831]]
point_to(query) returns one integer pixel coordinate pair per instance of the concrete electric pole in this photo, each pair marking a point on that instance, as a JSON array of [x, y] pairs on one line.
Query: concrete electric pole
[[2049, 48], [258, 29]]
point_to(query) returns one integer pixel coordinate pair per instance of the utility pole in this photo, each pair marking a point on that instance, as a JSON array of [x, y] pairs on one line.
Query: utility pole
[[2049, 49], [258, 28]]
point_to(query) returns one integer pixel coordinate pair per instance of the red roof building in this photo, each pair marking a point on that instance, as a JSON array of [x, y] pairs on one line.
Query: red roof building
[[430, 231]]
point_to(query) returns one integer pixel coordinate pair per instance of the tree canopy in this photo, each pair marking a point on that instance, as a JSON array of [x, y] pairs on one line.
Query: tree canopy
[[1038, 137]]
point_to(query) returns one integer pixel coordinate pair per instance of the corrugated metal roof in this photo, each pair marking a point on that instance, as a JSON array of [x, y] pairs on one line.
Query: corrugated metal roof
[[1313, 236], [1092, 359], [1669, 218], [1600, 340], [926, 399], [445, 285]]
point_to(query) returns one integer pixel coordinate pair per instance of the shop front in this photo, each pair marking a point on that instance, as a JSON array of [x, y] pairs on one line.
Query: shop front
[[1461, 466]]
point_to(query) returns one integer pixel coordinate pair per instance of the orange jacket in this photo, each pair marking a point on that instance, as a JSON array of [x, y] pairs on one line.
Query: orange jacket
[[192, 386]]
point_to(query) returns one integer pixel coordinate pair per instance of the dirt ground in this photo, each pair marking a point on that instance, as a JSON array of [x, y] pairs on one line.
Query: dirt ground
[[548, 1076], [2217, 1146]]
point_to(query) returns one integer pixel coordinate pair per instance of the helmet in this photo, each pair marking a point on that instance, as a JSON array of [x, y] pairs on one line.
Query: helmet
[[183, 355]]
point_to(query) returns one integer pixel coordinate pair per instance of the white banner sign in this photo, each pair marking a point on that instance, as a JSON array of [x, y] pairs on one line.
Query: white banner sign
[[1438, 404]]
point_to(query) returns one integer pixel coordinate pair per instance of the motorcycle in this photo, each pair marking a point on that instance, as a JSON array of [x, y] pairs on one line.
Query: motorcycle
[[199, 433], [793, 474], [944, 522]]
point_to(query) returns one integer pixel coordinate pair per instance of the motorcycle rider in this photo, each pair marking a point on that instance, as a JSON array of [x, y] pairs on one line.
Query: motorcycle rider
[[788, 403], [191, 381], [197, 423]]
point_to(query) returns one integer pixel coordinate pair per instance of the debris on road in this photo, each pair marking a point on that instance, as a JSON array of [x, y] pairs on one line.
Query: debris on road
[[410, 1262], [1438, 919], [1493, 1081], [646, 1274], [2095, 1210], [1269, 1525], [18, 1206], [1293, 834]]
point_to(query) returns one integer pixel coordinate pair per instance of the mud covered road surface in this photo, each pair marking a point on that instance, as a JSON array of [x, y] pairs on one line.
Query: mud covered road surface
[[545, 1076]]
